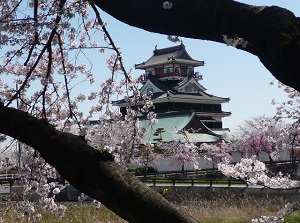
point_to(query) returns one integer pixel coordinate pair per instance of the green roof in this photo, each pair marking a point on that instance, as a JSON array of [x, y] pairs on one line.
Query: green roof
[[170, 123]]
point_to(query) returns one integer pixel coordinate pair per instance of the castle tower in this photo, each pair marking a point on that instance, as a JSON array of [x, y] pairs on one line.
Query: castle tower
[[180, 100]]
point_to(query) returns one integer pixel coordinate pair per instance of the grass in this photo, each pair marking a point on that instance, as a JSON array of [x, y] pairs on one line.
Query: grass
[[76, 213], [293, 218], [221, 209], [232, 208]]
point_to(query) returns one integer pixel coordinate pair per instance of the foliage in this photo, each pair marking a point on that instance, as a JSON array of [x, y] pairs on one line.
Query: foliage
[[141, 170], [181, 153], [262, 134]]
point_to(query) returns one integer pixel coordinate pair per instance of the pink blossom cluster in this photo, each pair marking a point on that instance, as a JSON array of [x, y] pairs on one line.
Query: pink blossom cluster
[[173, 39], [236, 41], [286, 210], [216, 153], [255, 172], [262, 134], [35, 177], [287, 109], [122, 135], [167, 5], [181, 153]]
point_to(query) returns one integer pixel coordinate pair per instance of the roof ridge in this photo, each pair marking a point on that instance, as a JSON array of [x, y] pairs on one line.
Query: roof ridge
[[168, 49]]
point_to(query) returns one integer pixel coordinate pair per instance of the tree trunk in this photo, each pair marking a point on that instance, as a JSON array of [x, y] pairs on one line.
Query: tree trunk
[[91, 171], [273, 33]]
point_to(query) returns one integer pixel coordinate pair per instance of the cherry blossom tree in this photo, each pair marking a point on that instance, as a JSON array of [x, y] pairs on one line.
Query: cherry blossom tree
[[181, 153], [39, 74], [40, 70], [289, 111], [217, 152], [270, 135], [262, 134]]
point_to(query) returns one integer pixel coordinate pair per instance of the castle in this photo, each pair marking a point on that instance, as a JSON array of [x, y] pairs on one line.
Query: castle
[[181, 102]]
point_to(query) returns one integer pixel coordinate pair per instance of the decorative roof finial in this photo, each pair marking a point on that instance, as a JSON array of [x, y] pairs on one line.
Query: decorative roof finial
[[155, 47]]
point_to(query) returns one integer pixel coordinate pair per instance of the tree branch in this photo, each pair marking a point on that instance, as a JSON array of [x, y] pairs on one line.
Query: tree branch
[[273, 33], [91, 171]]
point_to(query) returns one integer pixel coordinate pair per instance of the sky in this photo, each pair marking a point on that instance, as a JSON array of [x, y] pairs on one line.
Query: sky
[[228, 72]]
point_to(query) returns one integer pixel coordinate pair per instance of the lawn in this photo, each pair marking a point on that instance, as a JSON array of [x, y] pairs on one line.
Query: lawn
[[221, 209]]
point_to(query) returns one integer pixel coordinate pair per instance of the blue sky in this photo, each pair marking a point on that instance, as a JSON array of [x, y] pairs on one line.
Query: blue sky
[[228, 72]]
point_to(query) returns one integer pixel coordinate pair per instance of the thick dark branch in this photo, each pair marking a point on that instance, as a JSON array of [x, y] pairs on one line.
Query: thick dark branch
[[273, 33], [91, 171]]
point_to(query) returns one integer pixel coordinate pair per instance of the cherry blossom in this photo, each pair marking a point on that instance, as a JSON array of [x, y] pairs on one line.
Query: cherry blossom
[[254, 171], [236, 41], [181, 153], [167, 5], [219, 152], [173, 39], [286, 210], [262, 134]]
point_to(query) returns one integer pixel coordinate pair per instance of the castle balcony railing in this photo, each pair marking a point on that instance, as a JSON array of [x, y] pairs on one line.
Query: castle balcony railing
[[172, 75]]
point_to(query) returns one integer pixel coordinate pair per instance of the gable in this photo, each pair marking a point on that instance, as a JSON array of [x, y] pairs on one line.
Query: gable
[[189, 88], [184, 55], [149, 86], [190, 85]]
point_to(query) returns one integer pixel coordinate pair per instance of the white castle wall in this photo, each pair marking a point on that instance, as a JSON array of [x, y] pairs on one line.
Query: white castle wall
[[163, 164]]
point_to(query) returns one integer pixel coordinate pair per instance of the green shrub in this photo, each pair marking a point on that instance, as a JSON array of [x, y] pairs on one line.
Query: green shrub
[[142, 170]]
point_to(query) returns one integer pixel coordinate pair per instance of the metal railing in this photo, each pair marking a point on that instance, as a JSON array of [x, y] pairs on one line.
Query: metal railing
[[194, 182], [11, 179]]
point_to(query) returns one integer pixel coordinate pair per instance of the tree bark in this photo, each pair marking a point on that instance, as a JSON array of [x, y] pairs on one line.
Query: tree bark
[[273, 33], [91, 171]]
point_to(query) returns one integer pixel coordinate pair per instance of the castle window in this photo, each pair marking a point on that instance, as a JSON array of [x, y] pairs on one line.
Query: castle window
[[159, 70], [149, 90], [183, 69], [149, 72], [168, 70], [190, 71]]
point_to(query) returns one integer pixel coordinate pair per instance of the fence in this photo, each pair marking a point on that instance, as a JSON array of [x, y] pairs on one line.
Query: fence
[[207, 174], [194, 182], [13, 178]]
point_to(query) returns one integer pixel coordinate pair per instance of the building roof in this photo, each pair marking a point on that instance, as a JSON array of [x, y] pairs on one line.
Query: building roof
[[162, 85], [173, 122], [176, 54], [169, 92], [173, 85], [190, 80], [200, 97]]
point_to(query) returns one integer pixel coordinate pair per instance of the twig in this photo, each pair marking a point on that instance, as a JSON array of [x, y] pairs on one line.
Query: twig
[[111, 42]]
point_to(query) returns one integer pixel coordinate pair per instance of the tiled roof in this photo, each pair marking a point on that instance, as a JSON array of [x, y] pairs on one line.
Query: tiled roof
[[164, 85], [169, 55], [172, 122]]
